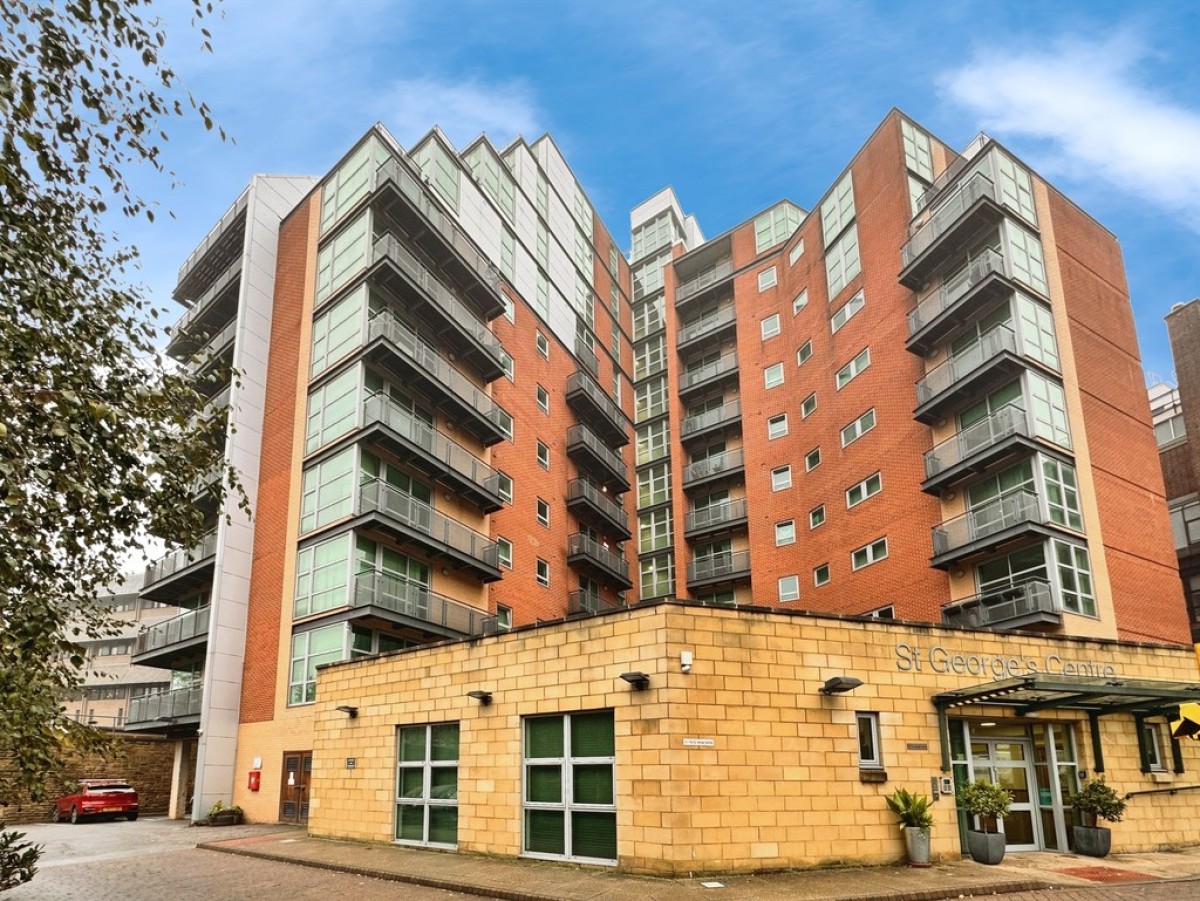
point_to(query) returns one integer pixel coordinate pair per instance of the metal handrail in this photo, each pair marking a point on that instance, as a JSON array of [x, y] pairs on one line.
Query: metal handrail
[[723, 462], [1003, 512], [727, 362], [991, 344], [1009, 420], [725, 564], [587, 357], [581, 435], [399, 595], [927, 229], [378, 496], [180, 559], [177, 628], [952, 289], [206, 300], [166, 705], [1170, 790], [715, 515], [727, 412], [578, 543], [589, 602], [723, 317], [1002, 605], [578, 381], [579, 489], [719, 271]]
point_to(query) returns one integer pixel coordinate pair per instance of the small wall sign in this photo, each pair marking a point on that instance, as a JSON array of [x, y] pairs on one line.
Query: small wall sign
[[351, 763], [699, 743]]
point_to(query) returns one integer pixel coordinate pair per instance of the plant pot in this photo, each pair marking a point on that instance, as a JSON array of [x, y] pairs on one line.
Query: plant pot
[[1094, 841], [225, 818], [985, 847], [916, 842]]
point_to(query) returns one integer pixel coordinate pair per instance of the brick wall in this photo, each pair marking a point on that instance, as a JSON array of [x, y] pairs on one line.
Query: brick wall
[[1181, 466]]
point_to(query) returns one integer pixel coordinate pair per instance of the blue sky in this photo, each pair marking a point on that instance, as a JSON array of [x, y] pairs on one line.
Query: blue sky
[[735, 104]]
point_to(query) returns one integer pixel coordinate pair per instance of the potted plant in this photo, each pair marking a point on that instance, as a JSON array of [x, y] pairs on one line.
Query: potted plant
[[1096, 801], [915, 820], [989, 802], [220, 815]]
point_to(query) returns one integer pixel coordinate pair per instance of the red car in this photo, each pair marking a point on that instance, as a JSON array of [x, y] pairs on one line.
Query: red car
[[97, 797]]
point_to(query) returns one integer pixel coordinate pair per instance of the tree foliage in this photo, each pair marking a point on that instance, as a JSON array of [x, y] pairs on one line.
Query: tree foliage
[[99, 441]]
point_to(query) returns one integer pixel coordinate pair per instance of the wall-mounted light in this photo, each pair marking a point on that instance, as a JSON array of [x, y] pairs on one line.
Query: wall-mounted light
[[351, 712], [483, 697], [638, 680], [840, 684]]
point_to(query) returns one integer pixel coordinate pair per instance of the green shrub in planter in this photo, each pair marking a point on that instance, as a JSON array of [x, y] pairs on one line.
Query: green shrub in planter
[[915, 819], [990, 803], [1094, 802]]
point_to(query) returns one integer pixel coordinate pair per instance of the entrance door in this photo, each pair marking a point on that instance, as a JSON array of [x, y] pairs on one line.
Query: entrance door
[[1008, 762], [293, 791]]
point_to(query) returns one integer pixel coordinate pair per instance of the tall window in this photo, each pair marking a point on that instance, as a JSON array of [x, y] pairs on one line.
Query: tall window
[[427, 785], [654, 485], [570, 809], [868, 740], [310, 650], [775, 226], [654, 530], [657, 576]]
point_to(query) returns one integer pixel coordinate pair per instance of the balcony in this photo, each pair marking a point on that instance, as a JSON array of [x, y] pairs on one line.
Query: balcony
[[419, 444], [414, 523], [719, 569], [702, 284], [394, 344], [584, 602], [165, 711], [406, 604], [174, 642], [969, 208], [969, 375], [181, 571], [709, 375], [587, 358], [400, 191], [594, 456], [597, 560], [593, 507], [396, 268], [720, 420], [718, 519], [1019, 607], [1006, 433], [221, 247], [599, 410], [707, 330], [1013, 517], [715, 469], [214, 308], [965, 296]]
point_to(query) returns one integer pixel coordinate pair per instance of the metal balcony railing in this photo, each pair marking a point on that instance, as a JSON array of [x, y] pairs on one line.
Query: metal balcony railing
[[706, 326], [171, 631], [589, 602], [580, 383], [1014, 508], [716, 515], [456, 458], [181, 559], [706, 279], [165, 706], [411, 599], [951, 290], [213, 255], [730, 565], [579, 544], [1009, 420], [726, 363], [1032, 600], [181, 340], [578, 489], [927, 228], [581, 436], [729, 461], [379, 496], [587, 357], [730, 411], [991, 344]]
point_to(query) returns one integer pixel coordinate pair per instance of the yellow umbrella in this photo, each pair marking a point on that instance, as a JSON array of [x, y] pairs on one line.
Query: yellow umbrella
[[1188, 724]]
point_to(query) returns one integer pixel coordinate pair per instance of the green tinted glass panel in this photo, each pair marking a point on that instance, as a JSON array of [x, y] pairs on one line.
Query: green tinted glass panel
[[544, 737], [593, 783], [412, 743], [544, 832], [410, 822], [443, 825], [543, 783], [594, 834], [443, 783], [411, 783], [361, 641], [444, 742], [592, 735]]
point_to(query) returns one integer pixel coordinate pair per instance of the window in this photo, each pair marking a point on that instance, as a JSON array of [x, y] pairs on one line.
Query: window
[[781, 478], [328, 491], [838, 210], [543, 455], [842, 262], [868, 740], [543, 573], [1062, 494], [871, 553], [441, 168], [847, 311], [847, 373], [543, 346], [769, 327], [339, 260], [349, 183], [773, 375], [785, 533], [1150, 743], [504, 552], [650, 399], [868, 487], [648, 318], [322, 576], [650, 358], [796, 252], [1170, 430], [774, 226], [310, 650], [789, 588], [543, 399], [1075, 577], [916, 151], [333, 410], [508, 265], [800, 302], [504, 486], [808, 406], [804, 353], [816, 517], [503, 617], [777, 426], [654, 530], [654, 485], [427, 785], [657, 576], [507, 364], [505, 421], [652, 442], [812, 459], [858, 428], [569, 804], [543, 512], [767, 279], [821, 575], [338, 330]]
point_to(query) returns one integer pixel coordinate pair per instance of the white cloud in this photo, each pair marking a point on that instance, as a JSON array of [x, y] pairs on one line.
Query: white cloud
[[410, 107], [1084, 99]]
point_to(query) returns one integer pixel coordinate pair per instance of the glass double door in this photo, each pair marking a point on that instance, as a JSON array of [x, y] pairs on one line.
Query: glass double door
[[1008, 762]]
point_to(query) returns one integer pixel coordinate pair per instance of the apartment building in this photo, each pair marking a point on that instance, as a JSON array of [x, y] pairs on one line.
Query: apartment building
[[489, 452]]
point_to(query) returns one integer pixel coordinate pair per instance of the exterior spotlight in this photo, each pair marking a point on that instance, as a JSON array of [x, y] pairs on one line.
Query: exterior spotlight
[[351, 712], [840, 684], [483, 697], [638, 680]]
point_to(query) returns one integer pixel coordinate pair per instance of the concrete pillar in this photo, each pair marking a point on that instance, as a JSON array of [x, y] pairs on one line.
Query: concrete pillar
[[180, 779]]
